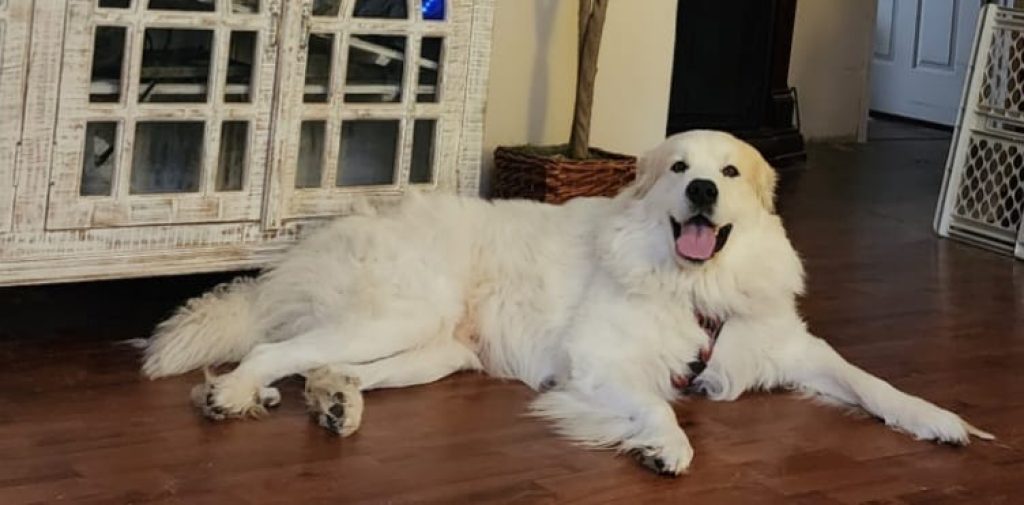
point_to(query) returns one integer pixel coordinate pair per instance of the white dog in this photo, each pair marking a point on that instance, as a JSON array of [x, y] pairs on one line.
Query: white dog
[[609, 307]]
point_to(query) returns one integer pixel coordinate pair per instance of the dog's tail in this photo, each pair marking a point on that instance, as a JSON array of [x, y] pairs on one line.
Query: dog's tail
[[218, 327]]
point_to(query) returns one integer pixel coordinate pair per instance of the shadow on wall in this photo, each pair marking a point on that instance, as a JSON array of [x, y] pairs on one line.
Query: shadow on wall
[[532, 76], [544, 17]]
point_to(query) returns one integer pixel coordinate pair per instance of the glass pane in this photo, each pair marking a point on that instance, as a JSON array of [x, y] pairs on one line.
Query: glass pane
[[429, 69], [422, 169], [311, 154], [107, 64], [433, 10], [367, 153], [390, 9], [114, 4], [182, 5], [167, 157], [98, 158], [245, 6], [318, 67], [326, 7], [241, 56], [175, 65], [375, 66], [234, 140]]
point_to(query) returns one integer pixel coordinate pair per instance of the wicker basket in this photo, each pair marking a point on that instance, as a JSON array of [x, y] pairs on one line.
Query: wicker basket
[[547, 175]]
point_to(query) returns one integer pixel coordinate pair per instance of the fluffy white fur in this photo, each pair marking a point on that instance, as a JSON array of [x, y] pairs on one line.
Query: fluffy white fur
[[588, 302]]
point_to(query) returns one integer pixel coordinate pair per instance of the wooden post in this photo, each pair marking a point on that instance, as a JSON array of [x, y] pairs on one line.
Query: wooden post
[[592, 15]]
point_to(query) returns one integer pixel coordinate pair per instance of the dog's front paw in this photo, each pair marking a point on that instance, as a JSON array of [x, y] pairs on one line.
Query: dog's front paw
[[926, 421], [670, 459], [669, 462], [715, 385], [219, 399]]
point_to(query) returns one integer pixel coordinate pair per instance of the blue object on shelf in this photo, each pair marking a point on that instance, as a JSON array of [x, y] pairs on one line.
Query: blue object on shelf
[[433, 10]]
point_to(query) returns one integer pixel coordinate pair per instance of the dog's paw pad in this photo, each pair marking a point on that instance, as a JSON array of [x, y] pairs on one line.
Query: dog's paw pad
[[338, 412], [330, 415], [669, 459], [209, 398], [269, 397], [652, 460], [709, 384], [549, 383], [696, 367], [204, 398], [330, 423]]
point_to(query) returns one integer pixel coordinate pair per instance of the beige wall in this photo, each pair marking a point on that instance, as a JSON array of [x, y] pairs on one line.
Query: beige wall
[[533, 75], [533, 58], [533, 72], [634, 76], [829, 66]]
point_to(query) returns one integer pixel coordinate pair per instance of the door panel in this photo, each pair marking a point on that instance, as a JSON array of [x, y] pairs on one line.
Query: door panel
[[884, 25], [922, 49], [373, 96], [164, 113], [14, 40], [935, 41]]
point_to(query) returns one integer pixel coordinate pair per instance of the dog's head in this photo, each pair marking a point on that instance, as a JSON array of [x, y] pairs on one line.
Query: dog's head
[[706, 184]]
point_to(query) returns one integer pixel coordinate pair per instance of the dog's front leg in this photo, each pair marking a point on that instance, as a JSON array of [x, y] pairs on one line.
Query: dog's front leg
[[812, 364], [764, 353], [611, 414]]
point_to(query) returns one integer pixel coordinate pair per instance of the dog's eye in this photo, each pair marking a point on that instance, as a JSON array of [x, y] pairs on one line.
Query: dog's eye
[[730, 171], [680, 167]]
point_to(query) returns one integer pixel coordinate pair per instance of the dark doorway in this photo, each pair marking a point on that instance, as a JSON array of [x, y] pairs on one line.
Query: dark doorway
[[730, 72]]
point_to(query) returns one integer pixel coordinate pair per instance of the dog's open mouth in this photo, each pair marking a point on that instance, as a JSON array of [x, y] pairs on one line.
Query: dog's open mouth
[[698, 239]]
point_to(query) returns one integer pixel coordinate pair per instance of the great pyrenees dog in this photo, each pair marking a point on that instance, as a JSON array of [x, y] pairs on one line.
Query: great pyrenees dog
[[610, 308]]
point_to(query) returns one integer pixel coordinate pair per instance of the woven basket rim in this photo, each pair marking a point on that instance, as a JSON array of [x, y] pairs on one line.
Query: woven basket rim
[[529, 150], [522, 172]]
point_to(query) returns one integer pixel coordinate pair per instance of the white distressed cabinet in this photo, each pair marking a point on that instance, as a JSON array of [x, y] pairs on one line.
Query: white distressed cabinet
[[154, 137]]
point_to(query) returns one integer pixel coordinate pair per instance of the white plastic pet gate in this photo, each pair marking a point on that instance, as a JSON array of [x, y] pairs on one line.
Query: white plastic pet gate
[[982, 198]]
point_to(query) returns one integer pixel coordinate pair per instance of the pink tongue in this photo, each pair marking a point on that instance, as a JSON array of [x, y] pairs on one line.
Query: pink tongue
[[696, 241]]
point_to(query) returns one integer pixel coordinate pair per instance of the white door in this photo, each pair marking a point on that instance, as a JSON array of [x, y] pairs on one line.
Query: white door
[[922, 49]]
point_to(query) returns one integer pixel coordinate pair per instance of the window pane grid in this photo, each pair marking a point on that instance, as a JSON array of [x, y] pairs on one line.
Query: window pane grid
[[416, 113], [227, 90]]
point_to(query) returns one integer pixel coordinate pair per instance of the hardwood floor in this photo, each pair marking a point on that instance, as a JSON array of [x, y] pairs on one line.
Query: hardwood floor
[[936, 318]]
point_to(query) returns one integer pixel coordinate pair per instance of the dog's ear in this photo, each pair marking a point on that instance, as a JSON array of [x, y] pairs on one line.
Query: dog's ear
[[648, 167], [765, 181]]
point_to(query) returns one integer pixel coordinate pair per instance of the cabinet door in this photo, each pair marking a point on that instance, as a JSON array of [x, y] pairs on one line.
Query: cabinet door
[[164, 112], [372, 95], [14, 40]]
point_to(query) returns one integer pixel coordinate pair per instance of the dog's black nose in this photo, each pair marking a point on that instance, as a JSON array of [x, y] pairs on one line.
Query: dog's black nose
[[702, 193]]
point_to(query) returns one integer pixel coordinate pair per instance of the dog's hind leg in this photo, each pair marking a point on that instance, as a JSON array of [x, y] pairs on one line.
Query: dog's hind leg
[[421, 365], [238, 393]]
